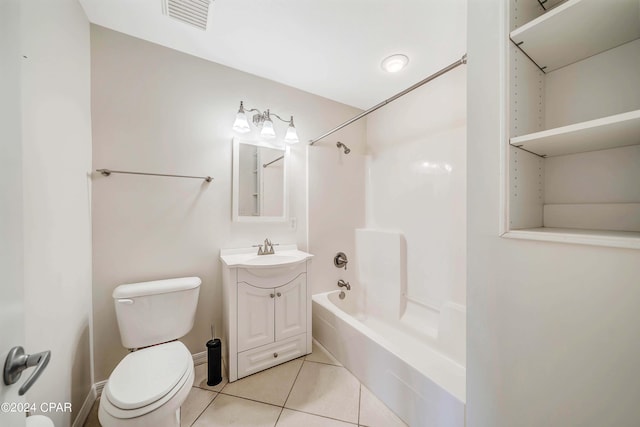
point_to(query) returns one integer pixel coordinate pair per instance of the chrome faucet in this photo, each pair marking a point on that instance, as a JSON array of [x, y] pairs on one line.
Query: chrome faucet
[[343, 284], [267, 248]]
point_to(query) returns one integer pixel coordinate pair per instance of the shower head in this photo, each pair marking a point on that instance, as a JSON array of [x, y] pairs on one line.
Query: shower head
[[347, 150]]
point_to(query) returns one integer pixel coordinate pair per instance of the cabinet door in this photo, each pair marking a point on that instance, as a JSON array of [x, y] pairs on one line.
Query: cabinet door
[[291, 308], [255, 316]]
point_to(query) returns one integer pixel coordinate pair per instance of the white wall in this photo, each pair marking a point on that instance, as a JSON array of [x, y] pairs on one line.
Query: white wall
[[416, 184], [552, 328], [157, 110], [56, 129], [336, 205]]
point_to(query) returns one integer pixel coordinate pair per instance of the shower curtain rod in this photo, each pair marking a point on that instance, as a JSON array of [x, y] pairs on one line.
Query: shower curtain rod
[[435, 75], [264, 165]]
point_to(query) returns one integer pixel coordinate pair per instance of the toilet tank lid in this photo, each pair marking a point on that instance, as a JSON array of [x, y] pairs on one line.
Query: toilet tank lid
[[132, 290]]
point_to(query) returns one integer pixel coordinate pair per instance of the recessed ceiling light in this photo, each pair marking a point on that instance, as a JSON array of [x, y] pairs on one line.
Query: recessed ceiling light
[[395, 63]]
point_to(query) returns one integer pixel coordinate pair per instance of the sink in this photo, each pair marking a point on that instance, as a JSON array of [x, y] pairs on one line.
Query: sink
[[279, 259], [274, 259]]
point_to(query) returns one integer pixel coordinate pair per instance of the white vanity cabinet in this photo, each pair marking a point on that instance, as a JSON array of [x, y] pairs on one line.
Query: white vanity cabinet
[[266, 310], [266, 315]]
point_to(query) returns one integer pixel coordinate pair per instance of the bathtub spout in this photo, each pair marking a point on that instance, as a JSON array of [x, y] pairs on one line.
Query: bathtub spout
[[343, 284]]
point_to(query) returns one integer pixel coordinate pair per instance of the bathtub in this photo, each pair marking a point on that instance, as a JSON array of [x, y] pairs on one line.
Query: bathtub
[[419, 373]]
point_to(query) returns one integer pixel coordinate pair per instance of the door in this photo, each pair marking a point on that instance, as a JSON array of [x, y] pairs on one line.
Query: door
[[291, 308], [255, 316], [11, 241]]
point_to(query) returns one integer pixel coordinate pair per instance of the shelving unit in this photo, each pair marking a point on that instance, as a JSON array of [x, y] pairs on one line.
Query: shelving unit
[[574, 134], [578, 29]]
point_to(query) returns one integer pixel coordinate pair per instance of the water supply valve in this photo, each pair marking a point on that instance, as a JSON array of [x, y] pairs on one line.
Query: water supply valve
[[340, 260]]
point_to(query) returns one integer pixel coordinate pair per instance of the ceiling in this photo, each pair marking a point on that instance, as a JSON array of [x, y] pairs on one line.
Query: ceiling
[[331, 48]]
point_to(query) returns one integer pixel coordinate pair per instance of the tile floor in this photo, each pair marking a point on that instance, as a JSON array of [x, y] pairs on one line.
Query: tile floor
[[311, 391]]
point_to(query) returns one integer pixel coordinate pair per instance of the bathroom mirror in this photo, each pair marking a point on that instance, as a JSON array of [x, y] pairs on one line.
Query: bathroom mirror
[[259, 182]]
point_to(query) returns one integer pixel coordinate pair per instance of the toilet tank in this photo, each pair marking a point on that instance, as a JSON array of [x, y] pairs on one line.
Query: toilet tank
[[151, 313]]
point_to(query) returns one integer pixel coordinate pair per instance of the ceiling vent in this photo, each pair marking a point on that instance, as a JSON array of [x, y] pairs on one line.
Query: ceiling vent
[[192, 12]]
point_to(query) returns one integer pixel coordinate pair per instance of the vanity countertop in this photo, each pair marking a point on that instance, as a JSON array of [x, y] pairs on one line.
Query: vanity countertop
[[284, 255]]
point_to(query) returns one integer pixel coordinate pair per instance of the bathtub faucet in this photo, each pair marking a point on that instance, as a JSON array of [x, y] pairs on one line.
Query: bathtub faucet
[[343, 284]]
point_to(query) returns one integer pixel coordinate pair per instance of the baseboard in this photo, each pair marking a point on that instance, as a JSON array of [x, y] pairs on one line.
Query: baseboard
[[84, 411], [200, 358], [99, 386]]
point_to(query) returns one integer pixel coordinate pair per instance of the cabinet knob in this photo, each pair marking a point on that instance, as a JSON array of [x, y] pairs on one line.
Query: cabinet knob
[[275, 355], [272, 295], [279, 294]]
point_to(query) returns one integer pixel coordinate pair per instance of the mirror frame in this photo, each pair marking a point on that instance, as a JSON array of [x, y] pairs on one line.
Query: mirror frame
[[236, 181]]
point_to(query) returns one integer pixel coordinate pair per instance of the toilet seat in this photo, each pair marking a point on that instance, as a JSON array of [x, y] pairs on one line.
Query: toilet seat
[[147, 379]]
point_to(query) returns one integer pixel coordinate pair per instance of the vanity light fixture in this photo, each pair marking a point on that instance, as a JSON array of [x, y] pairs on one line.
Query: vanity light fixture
[[262, 120], [395, 63]]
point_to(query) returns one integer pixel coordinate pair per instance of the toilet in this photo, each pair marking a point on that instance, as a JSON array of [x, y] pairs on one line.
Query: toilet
[[150, 384]]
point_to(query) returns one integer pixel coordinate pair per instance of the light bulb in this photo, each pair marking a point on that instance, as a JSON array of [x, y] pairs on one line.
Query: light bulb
[[267, 131]]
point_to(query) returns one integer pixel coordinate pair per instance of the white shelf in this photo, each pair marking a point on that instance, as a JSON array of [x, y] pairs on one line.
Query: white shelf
[[616, 239], [615, 131], [593, 216], [577, 30]]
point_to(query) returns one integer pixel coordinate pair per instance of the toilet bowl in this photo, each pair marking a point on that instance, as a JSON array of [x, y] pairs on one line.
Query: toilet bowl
[[149, 385]]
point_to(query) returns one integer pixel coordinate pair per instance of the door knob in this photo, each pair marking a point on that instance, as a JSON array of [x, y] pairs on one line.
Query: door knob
[[17, 362]]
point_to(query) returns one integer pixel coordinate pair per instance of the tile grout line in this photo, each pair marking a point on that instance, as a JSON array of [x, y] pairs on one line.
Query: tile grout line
[[279, 415], [359, 401], [209, 389], [293, 384], [205, 408], [217, 393], [251, 400], [324, 363], [322, 416]]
